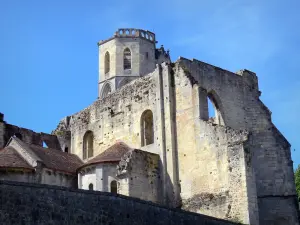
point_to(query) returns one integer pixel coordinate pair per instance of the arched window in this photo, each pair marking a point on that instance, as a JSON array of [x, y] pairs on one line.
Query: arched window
[[114, 187], [88, 141], [91, 187], [147, 132], [106, 62], [106, 90], [127, 59], [214, 109]]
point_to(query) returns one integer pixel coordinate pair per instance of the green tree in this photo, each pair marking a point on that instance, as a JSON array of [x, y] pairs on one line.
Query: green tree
[[297, 181]]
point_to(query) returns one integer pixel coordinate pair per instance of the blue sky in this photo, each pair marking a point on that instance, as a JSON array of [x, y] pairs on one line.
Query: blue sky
[[49, 58]]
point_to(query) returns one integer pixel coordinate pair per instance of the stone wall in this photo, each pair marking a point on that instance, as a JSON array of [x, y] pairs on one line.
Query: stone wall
[[174, 101], [27, 204], [52, 177], [115, 118], [18, 175], [26, 135], [2, 133], [142, 60], [140, 177], [238, 100], [239, 171], [213, 169]]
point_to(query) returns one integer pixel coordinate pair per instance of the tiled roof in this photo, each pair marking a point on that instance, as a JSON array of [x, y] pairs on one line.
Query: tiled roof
[[112, 154], [56, 159], [9, 158], [53, 158]]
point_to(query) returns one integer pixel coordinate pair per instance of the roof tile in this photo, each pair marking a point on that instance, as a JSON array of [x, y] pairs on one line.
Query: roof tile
[[112, 154], [9, 158]]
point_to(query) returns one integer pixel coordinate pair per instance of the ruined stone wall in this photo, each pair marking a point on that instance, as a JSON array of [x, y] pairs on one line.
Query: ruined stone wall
[[63, 134], [139, 176], [235, 168], [212, 160], [238, 100], [27, 204], [116, 118], [2, 134], [26, 135], [174, 101]]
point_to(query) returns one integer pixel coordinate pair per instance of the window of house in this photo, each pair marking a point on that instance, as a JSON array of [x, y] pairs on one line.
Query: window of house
[[66, 149], [147, 131], [114, 187], [147, 55], [88, 142], [91, 187], [127, 59], [106, 62]]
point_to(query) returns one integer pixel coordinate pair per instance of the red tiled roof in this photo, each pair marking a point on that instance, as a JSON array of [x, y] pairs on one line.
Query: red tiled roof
[[112, 154], [9, 158]]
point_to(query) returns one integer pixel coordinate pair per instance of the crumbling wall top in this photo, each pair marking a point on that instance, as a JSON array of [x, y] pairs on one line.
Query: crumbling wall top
[[132, 33]]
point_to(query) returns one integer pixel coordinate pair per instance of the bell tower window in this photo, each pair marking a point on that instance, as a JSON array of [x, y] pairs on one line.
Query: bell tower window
[[106, 63], [127, 59]]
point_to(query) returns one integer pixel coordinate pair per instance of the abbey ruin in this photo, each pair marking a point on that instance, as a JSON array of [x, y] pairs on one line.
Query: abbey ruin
[[149, 136]]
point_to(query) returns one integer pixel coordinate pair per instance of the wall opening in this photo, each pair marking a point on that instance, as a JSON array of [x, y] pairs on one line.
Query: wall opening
[[106, 90], [106, 62], [88, 145], [127, 59], [91, 187], [45, 145], [211, 108], [18, 135], [147, 131], [66, 149], [214, 111], [114, 187]]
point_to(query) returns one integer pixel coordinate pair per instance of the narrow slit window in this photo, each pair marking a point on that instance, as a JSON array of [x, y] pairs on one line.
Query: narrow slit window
[[127, 59], [107, 63]]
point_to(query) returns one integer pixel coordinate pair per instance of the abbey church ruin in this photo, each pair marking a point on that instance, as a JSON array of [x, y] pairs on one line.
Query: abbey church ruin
[[149, 136]]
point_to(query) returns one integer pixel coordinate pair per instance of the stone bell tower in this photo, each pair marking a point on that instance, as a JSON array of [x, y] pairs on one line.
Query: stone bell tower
[[129, 54]]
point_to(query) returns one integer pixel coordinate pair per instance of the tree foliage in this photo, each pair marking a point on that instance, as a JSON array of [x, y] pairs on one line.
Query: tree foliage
[[297, 181]]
